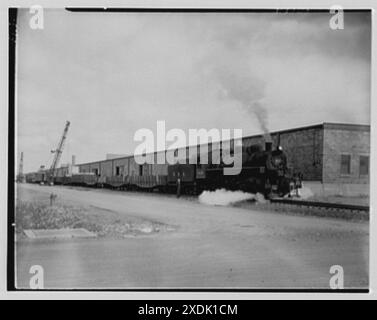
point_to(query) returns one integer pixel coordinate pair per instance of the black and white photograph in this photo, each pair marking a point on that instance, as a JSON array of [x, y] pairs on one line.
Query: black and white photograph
[[224, 150]]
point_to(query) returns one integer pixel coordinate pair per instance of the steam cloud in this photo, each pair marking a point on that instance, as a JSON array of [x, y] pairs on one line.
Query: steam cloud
[[240, 85], [222, 197], [230, 66]]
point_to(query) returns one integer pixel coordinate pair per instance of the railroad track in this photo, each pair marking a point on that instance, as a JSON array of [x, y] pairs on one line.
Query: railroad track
[[318, 204]]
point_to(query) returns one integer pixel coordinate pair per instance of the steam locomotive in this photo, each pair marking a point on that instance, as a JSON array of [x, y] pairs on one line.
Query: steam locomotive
[[263, 170]]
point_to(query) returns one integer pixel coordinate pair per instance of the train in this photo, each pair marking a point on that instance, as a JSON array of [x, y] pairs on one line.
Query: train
[[264, 170]]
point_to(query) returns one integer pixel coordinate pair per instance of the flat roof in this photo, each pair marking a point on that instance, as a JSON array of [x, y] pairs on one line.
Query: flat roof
[[346, 126], [324, 125]]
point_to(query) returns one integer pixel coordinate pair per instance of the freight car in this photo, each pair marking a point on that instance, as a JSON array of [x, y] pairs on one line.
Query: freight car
[[263, 170], [39, 177]]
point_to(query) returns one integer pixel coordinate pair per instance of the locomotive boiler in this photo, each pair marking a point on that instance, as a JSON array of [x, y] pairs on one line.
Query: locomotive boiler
[[263, 170]]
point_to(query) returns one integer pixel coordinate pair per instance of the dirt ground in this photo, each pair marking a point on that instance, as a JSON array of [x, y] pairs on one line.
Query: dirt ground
[[35, 210], [207, 246]]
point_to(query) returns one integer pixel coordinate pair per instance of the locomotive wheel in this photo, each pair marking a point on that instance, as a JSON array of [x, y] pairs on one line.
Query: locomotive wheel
[[268, 194]]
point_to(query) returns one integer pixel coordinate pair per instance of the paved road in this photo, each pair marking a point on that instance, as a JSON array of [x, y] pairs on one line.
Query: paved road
[[212, 247]]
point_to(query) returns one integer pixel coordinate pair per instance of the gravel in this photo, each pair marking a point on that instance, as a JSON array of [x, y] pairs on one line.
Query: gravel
[[105, 223]]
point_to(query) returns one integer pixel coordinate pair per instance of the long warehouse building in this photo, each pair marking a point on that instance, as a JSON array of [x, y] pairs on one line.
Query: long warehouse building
[[333, 158]]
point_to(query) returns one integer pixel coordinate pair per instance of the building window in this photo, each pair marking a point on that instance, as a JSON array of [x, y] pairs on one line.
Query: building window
[[117, 171], [345, 164], [364, 165]]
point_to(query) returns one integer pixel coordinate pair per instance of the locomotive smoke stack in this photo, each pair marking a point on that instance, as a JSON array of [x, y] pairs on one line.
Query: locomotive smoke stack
[[268, 146], [267, 141]]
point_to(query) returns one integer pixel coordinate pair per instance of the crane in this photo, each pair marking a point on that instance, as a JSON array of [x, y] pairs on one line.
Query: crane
[[58, 153]]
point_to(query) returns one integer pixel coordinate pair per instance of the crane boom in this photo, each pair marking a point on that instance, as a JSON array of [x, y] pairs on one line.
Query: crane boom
[[58, 152]]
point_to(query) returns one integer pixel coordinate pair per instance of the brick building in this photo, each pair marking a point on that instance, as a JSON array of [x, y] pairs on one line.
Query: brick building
[[333, 157]]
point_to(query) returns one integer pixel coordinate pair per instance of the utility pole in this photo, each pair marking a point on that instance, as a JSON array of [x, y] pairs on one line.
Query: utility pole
[[20, 175]]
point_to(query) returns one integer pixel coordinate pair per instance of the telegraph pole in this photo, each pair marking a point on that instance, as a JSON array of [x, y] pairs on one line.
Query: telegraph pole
[[20, 175]]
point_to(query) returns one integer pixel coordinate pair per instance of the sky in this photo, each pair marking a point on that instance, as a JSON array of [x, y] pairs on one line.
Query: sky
[[111, 74]]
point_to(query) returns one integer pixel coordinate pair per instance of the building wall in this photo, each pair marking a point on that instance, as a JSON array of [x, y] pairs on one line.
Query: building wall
[[353, 141], [303, 148], [338, 189], [84, 168], [304, 151], [123, 164], [61, 172], [95, 167], [133, 167], [66, 170], [107, 168]]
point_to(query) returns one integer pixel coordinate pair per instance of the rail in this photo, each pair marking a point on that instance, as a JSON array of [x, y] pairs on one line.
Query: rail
[[327, 205]]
